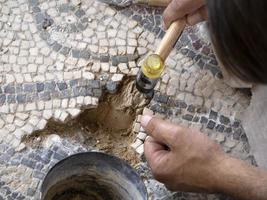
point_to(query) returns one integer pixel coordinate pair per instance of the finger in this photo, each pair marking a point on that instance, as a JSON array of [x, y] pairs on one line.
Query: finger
[[184, 188], [174, 11], [161, 130], [152, 147], [199, 16], [154, 151], [179, 8]]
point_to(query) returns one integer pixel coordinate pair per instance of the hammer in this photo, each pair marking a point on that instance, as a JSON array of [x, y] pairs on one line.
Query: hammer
[[153, 65], [125, 3]]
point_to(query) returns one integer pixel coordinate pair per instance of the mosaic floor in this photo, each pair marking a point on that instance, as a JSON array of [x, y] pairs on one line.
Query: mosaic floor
[[60, 58]]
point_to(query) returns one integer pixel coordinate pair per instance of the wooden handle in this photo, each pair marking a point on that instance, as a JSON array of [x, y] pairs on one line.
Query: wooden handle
[[170, 38], [161, 3]]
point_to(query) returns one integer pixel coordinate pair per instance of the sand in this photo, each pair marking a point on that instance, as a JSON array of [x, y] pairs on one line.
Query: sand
[[107, 127]]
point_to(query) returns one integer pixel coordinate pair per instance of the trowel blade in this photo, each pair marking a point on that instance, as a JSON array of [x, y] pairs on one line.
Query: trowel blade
[[118, 3]]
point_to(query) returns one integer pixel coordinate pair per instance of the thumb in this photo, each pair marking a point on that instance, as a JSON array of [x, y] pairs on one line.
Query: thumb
[[156, 154], [161, 130], [198, 16]]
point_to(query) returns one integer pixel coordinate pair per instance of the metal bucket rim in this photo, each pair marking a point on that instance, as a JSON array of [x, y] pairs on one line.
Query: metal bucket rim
[[100, 155]]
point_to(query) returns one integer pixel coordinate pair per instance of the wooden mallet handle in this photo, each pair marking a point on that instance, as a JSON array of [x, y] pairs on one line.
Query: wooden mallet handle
[[161, 3], [170, 38]]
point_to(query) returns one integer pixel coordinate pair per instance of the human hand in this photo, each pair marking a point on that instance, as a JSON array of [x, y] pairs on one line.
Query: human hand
[[183, 159], [194, 10]]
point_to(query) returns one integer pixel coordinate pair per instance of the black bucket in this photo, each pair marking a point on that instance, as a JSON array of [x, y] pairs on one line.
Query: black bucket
[[94, 176]]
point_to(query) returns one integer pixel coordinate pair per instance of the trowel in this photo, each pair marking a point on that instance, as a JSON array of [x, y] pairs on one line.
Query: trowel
[[153, 65], [125, 3]]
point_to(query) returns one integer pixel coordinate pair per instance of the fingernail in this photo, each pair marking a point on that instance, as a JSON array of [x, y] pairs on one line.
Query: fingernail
[[145, 120]]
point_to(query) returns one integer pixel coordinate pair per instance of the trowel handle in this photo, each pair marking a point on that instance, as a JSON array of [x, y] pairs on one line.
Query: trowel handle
[[170, 38], [161, 3]]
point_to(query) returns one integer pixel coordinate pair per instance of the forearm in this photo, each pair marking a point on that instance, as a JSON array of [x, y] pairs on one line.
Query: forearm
[[240, 180]]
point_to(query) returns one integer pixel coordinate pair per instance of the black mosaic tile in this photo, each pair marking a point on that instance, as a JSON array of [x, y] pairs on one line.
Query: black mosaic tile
[[75, 53], [188, 117], [14, 195], [214, 70], [211, 124], [64, 8], [43, 34], [56, 47], [36, 9], [112, 87], [65, 50], [29, 87], [81, 26], [236, 124], [191, 108], [38, 175], [58, 156], [97, 92], [88, 91], [30, 192], [201, 63], [114, 60], [79, 13], [244, 138], [224, 120], [104, 58], [40, 87], [39, 166], [34, 2], [159, 109], [183, 105], [213, 115], [31, 97], [73, 83], [9, 89], [237, 134], [28, 163], [72, 28], [122, 59], [19, 88], [62, 86], [82, 91], [50, 86], [84, 20], [95, 84], [65, 94], [21, 197], [14, 161], [160, 98], [2, 99], [220, 128], [196, 119], [85, 54], [203, 120], [45, 96], [10, 152], [228, 130], [21, 98], [39, 17]]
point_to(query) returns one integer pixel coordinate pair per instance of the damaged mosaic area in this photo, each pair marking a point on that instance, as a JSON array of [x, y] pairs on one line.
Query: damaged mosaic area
[[62, 62]]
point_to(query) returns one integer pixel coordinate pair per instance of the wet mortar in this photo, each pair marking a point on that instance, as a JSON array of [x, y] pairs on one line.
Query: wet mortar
[[108, 127]]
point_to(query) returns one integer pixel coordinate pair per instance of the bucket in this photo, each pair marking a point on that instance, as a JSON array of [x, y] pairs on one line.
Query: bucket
[[94, 176]]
